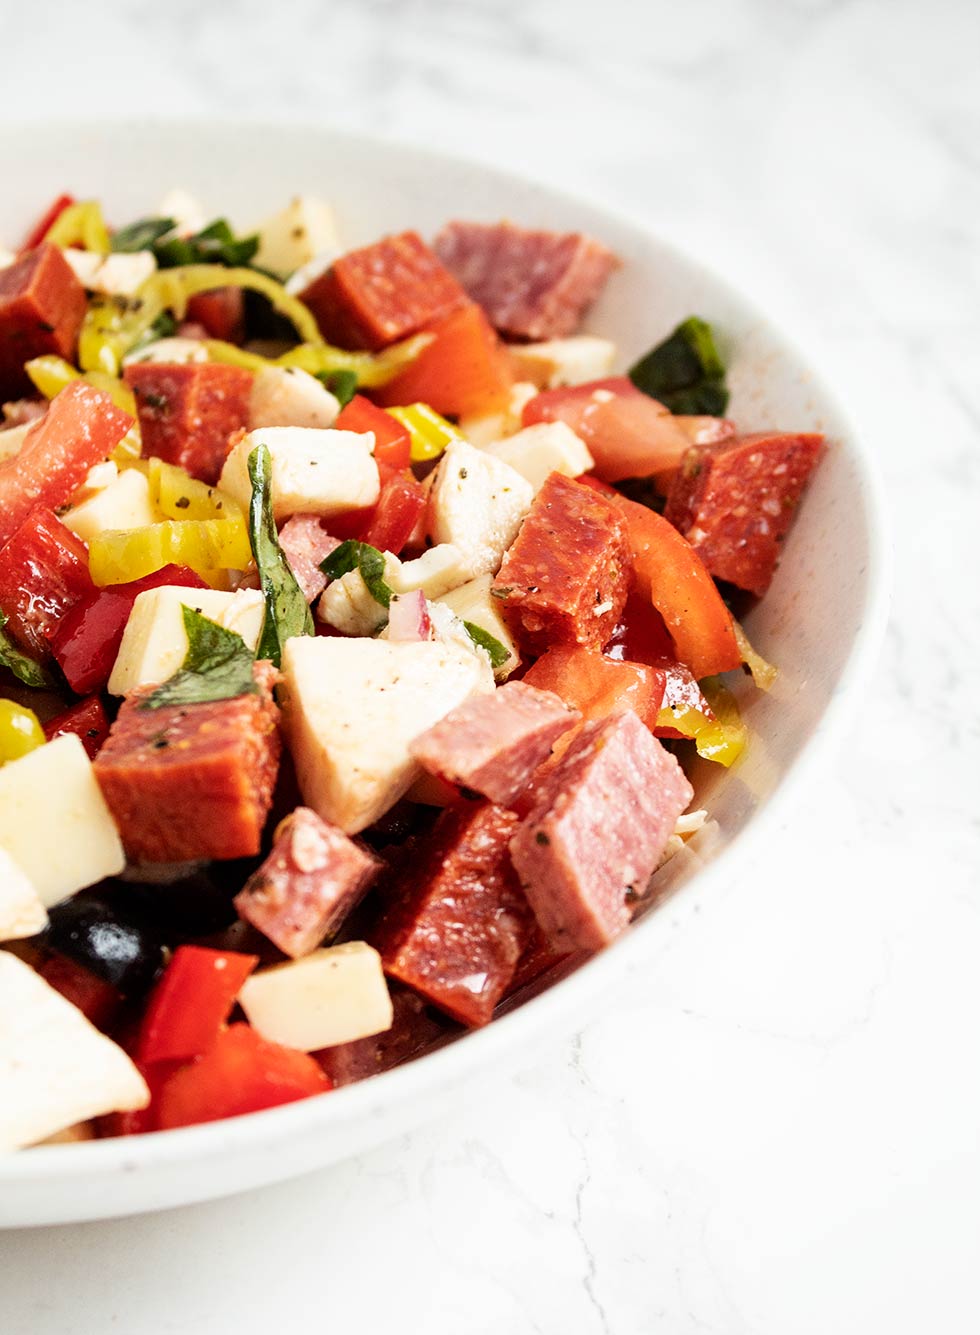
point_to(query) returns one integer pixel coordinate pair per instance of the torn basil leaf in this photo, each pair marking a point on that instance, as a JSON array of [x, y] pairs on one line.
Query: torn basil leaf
[[497, 652], [685, 372], [24, 668], [217, 666], [341, 384], [287, 612], [141, 235], [214, 244], [353, 555]]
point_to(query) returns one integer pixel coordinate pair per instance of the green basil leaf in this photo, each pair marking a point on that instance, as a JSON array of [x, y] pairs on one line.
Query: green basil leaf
[[341, 384], [24, 668], [141, 235], [685, 372], [217, 666], [214, 244], [353, 555], [498, 654], [287, 612]]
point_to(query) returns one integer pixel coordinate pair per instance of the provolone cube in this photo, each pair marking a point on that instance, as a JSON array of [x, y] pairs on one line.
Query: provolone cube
[[289, 396], [353, 706], [314, 472], [154, 643], [473, 602], [564, 361], [54, 822], [477, 503], [335, 995], [538, 451], [124, 503], [21, 912], [294, 236], [56, 1069]]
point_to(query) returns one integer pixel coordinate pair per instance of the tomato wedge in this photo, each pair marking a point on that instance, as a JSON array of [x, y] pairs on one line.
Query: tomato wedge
[[596, 684], [43, 575], [87, 720]]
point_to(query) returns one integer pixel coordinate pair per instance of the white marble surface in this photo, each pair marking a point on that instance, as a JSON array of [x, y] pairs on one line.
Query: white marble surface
[[810, 1162]]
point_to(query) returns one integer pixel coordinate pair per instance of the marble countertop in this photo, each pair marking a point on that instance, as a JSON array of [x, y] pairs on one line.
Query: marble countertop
[[810, 1162]]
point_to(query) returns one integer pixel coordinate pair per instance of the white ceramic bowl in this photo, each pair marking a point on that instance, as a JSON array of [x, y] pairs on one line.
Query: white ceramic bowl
[[821, 621]]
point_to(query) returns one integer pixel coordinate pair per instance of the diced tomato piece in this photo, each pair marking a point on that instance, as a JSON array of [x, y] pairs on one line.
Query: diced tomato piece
[[669, 571], [43, 574], [81, 428], [628, 433], [392, 442], [187, 412], [221, 313], [86, 640], [389, 524], [98, 1000], [46, 221], [642, 637], [464, 370], [191, 1003], [596, 684], [240, 1073], [87, 720], [42, 304]]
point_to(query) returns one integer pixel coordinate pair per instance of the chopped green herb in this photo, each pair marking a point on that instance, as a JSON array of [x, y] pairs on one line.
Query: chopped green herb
[[141, 235], [685, 372], [341, 384], [353, 555], [287, 612], [214, 244], [498, 653], [23, 667], [218, 666]]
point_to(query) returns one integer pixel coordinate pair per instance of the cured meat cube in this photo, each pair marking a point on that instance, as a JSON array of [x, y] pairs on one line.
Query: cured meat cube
[[414, 1029], [187, 412], [43, 573], [735, 502], [566, 577], [458, 922], [305, 543], [596, 833], [532, 284], [41, 308], [307, 885], [192, 781], [493, 743], [383, 292]]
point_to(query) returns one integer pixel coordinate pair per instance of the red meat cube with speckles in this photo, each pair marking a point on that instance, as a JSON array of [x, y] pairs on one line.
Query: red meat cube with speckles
[[188, 412], [42, 304]]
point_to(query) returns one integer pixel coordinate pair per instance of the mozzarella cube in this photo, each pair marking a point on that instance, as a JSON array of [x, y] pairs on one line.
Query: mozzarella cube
[[473, 602], [124, 503], [186, 211], [353, 707], [335, 995], [538, 451], [56, 1069], [54, 822], [21, 912], [154, 643], [287, 396], [477, 503], [119, 275], [295, 235], [435, 572], [564, 361], [349, 606], [313, 472], [178, 351], [84, 264], [484, 430]]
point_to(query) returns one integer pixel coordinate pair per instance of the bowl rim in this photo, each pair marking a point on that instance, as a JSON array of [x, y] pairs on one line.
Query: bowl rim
[[560, 1008]]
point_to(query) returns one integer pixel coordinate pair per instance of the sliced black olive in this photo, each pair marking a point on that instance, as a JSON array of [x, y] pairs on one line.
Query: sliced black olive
[[105, 931]]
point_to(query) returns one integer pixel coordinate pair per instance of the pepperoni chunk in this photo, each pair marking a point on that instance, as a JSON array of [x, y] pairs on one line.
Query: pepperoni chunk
[[381, 293], [187, 412], [41, 308], [192, 781], [43, 574], [735, 502], [566, 577], [459, 922]]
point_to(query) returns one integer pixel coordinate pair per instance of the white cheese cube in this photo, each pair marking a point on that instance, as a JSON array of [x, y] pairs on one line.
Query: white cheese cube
[[295, 235], [186, 211], [473, 602], [353, 706], [21, 912], [181, 351], [84, 264], [564, 361], [435, 572], [538, 451], [11, 439], [154, 643], [477, 503], [335, 995], [348, 605], [56, 1069], [313, 472], [119, 275], [54, 822], [124, 503], [484, 430], [287, 396]]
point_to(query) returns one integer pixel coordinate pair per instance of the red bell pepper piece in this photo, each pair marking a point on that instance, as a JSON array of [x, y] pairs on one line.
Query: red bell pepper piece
[[465, 369], [87, 720], [138, 1121], [87, 640], [46, 221], [598, 685], [641, 637], [389, 523], [240, 1073], [81, 428], [191, 1003], [392, 442], [43, 574], [98, 1000]]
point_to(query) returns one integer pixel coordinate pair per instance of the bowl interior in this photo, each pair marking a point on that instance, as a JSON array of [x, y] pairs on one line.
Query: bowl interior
[[816, 623]]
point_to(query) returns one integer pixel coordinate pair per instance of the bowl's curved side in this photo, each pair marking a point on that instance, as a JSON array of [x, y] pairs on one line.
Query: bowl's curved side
[[822, 621]]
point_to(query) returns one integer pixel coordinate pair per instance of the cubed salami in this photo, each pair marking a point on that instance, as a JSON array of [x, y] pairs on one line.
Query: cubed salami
[[376, 295], [532, 284], [597, 831], [458, 922], [192, 781], [308, 884], [41, 308], [43, 574], [493, 743], [735, 502], [566, 577], [187, 412], [415, 1028], [305, 543]]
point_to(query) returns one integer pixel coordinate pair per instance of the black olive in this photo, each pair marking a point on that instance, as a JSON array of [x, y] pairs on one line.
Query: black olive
[[196, 904], [105, 931]]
